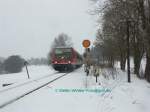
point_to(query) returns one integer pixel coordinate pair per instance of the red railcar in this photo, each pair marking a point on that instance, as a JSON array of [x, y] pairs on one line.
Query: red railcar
[[65, 59]]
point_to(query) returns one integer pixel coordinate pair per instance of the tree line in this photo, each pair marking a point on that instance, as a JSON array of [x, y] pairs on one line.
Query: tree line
[[119, 19]]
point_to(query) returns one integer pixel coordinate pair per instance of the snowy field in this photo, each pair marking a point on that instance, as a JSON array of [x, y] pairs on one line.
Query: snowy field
[[34, 72], [76, 92]]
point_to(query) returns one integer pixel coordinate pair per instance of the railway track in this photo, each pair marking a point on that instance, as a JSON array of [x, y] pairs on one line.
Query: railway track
[[28, 82], [10, 101]]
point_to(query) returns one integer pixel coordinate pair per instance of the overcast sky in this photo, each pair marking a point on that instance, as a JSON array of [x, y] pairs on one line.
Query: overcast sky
[[28, 27]]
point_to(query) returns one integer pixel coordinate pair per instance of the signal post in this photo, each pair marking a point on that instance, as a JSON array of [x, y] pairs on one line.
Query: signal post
[[88, 60], [86, 55]]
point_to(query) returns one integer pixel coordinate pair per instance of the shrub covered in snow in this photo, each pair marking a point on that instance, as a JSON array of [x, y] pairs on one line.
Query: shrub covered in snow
[[13, 64]]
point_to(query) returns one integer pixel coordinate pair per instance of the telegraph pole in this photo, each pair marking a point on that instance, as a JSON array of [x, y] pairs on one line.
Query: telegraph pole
[[128, 51]]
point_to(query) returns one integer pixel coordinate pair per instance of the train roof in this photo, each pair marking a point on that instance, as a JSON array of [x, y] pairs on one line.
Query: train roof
[[62, 47]]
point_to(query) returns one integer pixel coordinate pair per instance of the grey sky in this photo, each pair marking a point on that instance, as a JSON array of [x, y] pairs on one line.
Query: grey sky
[[28, 27]]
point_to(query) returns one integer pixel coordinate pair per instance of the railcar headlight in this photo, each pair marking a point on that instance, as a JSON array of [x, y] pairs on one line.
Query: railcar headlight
[[69, 62], [55, 62]]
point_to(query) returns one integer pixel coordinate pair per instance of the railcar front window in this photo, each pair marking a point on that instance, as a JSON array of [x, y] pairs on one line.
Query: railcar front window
[[63, 53]]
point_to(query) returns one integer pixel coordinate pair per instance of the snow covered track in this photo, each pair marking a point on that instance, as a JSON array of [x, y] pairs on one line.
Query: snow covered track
[[25, 83], [17, 97]]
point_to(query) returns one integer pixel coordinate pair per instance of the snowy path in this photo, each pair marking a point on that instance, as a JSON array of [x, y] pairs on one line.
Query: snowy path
[[60, 95]]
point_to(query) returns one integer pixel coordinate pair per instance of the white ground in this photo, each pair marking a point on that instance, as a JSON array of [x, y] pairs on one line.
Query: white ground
[[34, 72], [121, 97]]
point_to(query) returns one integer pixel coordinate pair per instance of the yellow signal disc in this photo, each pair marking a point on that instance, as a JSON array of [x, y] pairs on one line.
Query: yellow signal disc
[[86, 43]]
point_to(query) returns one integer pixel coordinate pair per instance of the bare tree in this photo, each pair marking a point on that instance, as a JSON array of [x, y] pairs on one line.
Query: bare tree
[[115, 14], [62, 40], [144, 13]]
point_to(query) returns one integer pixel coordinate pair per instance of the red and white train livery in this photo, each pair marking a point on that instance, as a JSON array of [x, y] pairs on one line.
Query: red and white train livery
[[65, 59]]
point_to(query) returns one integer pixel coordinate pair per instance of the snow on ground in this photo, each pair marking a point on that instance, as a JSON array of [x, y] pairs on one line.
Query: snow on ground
[[76, 93], [15, 78]]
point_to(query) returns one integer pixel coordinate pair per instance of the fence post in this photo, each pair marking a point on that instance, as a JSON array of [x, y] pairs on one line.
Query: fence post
[[25, 63]]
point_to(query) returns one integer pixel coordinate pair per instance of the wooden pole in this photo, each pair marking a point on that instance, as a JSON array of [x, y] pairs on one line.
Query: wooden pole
[[128, 51], [25, 63]]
